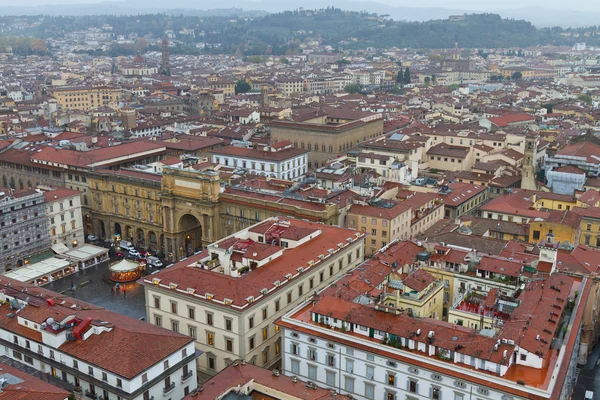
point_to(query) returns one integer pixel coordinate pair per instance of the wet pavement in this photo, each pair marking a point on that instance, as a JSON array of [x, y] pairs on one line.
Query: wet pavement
[[589, 376], [93, 285]]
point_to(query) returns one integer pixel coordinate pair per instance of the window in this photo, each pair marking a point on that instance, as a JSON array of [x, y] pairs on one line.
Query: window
[[210, 338], [412, 386], [104, 377], [264, 313], [157, 320], [174, 307], [295, 349], [312, 372], [191, 312], [289, 297], [331, 360], [174, 326], [212, 363], [209, 319], [330, 378], [523, 357], [312, 354], [250, 322], [276, 305], [119, 383], [349, 384], [91, 371], [300, 290], [228, 324], [349, 365], [166, 365], [370, 372], [192, 332], [295, 367], [436, 393], [251, 343], [265, 333], [391, 379], [369, 391], [229, 345]]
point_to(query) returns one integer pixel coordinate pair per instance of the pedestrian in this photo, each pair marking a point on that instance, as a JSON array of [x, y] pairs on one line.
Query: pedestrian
[[125, 292]]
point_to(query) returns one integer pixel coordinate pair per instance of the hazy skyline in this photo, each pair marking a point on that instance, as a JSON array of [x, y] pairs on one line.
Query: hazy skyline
[[574, 5]]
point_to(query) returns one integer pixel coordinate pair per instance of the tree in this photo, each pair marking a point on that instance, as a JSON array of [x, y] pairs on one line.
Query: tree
[[517, 75], [407, 76], [586, 98], [352, 88], [427, 80], [400, 77], [241, 86]]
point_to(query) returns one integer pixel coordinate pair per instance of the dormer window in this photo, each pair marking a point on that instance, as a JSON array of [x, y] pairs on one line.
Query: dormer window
[[209, 296], [228, 302], [263, 292]]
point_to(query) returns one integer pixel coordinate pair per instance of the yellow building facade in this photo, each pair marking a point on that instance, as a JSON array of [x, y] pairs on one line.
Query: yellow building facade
[[86, 97], [127, 205]]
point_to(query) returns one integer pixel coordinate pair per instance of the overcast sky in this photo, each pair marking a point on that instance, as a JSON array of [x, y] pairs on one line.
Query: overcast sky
[[573, 5]]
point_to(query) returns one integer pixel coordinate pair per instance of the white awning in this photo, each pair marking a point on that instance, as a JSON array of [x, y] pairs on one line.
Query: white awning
[[59, 248]]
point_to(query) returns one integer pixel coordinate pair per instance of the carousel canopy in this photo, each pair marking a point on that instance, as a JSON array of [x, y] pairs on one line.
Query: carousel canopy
[[124, 266]]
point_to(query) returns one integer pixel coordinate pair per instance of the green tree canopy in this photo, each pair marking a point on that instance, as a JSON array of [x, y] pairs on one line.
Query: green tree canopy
[[352, 88], [242, 86], [400, 77], [407, 76], [517, 75]]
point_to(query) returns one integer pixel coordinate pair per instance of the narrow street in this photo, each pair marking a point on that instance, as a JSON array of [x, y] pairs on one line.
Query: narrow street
[[589, 376]]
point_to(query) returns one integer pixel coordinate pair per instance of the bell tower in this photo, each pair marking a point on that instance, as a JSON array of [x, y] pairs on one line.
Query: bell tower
[[164, 47], [528, 168]]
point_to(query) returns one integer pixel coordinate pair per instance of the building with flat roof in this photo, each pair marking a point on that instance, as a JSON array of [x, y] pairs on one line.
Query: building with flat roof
[[229, 296], [280, 160]]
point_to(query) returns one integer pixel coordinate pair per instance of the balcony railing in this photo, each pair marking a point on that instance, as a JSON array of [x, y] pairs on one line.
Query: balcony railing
[[91, 395], [169, 388], [187, 376]]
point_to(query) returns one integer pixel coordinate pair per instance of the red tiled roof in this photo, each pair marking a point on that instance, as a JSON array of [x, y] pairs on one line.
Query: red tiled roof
[[31, 388]]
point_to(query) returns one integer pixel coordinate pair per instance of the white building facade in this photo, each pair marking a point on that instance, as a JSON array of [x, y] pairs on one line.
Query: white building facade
[[65, 218]]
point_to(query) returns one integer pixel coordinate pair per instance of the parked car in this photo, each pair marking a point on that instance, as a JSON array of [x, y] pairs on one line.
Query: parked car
[[118, 254], [145, 253], [92, 238], [133, 253]]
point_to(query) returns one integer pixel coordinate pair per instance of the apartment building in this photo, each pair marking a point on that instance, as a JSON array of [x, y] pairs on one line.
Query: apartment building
[[280, 160], [358, 347], [23, 226], [64, 217], [86, 97], [229, 296], [383, 220], [290, 86], [95, 352]]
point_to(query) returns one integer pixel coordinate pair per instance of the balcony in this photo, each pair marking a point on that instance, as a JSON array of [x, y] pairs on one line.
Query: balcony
[[187, 376], [91, 395], [169, 388]]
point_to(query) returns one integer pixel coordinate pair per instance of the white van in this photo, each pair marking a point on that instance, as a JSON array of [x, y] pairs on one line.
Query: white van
[[154, 262], [126, 245], [589, 395]]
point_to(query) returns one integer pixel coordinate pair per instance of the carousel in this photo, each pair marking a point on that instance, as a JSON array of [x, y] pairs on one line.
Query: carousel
[[125, 271]]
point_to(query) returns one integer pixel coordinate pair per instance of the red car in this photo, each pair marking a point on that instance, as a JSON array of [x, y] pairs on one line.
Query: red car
[[141, 260], [118, 254], [144, 254]]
